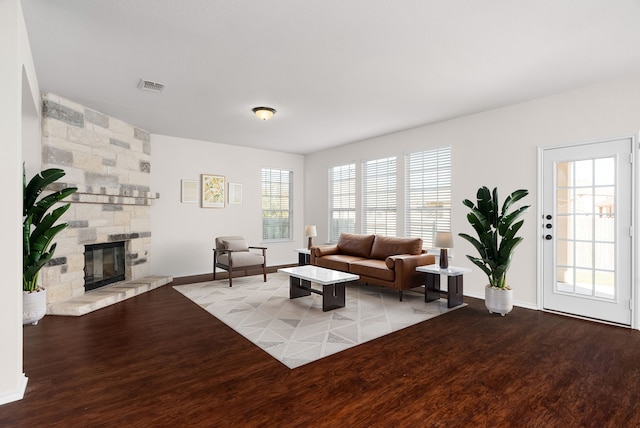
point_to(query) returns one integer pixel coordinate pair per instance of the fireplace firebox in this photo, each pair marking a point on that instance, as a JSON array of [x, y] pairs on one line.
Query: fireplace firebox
[[103, 264]]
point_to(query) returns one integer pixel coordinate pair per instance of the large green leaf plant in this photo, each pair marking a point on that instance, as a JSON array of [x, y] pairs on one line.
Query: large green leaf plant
[[496, 229], [38, 226]]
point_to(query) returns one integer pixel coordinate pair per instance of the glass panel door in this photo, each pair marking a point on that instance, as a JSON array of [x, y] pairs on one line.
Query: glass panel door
[[587, 230]]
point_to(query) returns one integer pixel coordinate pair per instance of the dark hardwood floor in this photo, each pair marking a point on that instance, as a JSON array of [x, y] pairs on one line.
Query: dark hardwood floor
[[159, 360]]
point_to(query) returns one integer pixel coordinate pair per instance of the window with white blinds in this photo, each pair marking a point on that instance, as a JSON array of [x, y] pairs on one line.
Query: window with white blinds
[[428, 194], [379, 196], [277, 204], [342, 200]]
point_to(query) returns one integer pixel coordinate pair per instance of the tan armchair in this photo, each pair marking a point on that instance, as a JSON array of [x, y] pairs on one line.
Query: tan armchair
[[232, 253]]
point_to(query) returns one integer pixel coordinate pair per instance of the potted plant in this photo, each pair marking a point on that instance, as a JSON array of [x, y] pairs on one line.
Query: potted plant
[[496, 228], [38, 230]]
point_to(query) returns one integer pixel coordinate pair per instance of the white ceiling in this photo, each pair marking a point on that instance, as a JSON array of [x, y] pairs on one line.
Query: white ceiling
[[336, 71]]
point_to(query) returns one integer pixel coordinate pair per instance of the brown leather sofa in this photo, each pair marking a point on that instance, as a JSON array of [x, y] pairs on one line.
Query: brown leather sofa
[[380, 260]]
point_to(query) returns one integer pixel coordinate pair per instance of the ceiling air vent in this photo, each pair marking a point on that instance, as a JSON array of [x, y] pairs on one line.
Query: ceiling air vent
[[148, 85]]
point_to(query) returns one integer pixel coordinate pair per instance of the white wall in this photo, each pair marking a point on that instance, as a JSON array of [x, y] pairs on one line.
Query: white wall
[[183, 234], [497, 148], [31, 129], [17, 78]]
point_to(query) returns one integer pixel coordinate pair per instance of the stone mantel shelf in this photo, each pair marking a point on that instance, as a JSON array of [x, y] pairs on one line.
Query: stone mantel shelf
[[126, 195], [100, 198], [121, 196]]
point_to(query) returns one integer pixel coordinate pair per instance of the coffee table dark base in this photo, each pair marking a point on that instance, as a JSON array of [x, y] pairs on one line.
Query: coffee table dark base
[[454, 285], [333, 295]]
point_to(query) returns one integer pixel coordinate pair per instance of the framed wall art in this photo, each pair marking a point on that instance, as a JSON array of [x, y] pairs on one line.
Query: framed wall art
[[235, 193], [212, 191], [188, 191]]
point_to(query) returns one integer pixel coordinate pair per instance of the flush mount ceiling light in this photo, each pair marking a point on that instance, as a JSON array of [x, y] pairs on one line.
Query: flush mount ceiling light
[[264, 113]]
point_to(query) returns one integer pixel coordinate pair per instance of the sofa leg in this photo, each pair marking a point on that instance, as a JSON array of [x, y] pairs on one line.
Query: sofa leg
[[400, 295]]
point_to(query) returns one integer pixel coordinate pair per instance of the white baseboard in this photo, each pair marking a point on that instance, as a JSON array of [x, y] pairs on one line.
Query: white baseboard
[[18, 395], [515, 303], [526, 305], [474, 295]]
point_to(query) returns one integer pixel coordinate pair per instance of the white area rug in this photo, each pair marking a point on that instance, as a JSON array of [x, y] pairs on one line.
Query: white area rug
[[297, 331]]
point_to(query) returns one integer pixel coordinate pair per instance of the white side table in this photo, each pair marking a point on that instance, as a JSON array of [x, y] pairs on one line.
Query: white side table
[[304, 256], [454, 283]]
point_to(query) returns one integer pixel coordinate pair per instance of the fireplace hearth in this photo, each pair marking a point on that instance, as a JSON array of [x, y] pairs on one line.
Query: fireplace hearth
[[103, 264]]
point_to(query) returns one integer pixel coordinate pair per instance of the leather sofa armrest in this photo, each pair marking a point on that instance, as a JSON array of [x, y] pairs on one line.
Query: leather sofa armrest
[[405, 267], [323, 250], [413, 260]]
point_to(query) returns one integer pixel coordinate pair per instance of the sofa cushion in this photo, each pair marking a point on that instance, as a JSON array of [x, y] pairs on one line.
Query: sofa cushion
[[337, 261], [372, 268], [385, 246], [355, 245], [241, 259]]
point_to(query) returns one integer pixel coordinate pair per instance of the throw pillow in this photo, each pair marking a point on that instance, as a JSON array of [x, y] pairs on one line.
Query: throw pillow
[[236, 244]]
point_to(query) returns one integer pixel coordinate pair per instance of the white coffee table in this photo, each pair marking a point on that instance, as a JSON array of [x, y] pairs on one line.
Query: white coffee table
[[332, 282], [454, 283]]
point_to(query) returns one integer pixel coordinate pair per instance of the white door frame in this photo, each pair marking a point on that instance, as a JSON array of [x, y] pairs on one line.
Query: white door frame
[[635, 288]]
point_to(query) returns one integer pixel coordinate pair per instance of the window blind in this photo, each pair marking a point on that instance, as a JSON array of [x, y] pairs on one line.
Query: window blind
[[277, 204], [428, 194], [342, 200], [379, 196]]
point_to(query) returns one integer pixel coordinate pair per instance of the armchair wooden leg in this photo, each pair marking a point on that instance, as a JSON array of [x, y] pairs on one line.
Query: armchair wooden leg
[[264, 265], [214, 264]]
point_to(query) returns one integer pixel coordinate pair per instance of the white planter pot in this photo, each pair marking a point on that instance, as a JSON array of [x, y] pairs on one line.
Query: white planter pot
[[498, 300], [34, 306]]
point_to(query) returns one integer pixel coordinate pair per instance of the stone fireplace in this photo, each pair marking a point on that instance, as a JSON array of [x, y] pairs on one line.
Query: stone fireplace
[[109, 161]]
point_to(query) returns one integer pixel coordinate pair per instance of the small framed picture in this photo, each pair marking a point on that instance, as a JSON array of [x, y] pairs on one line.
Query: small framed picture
[[212, 191], [188, 191], [235, 193]]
